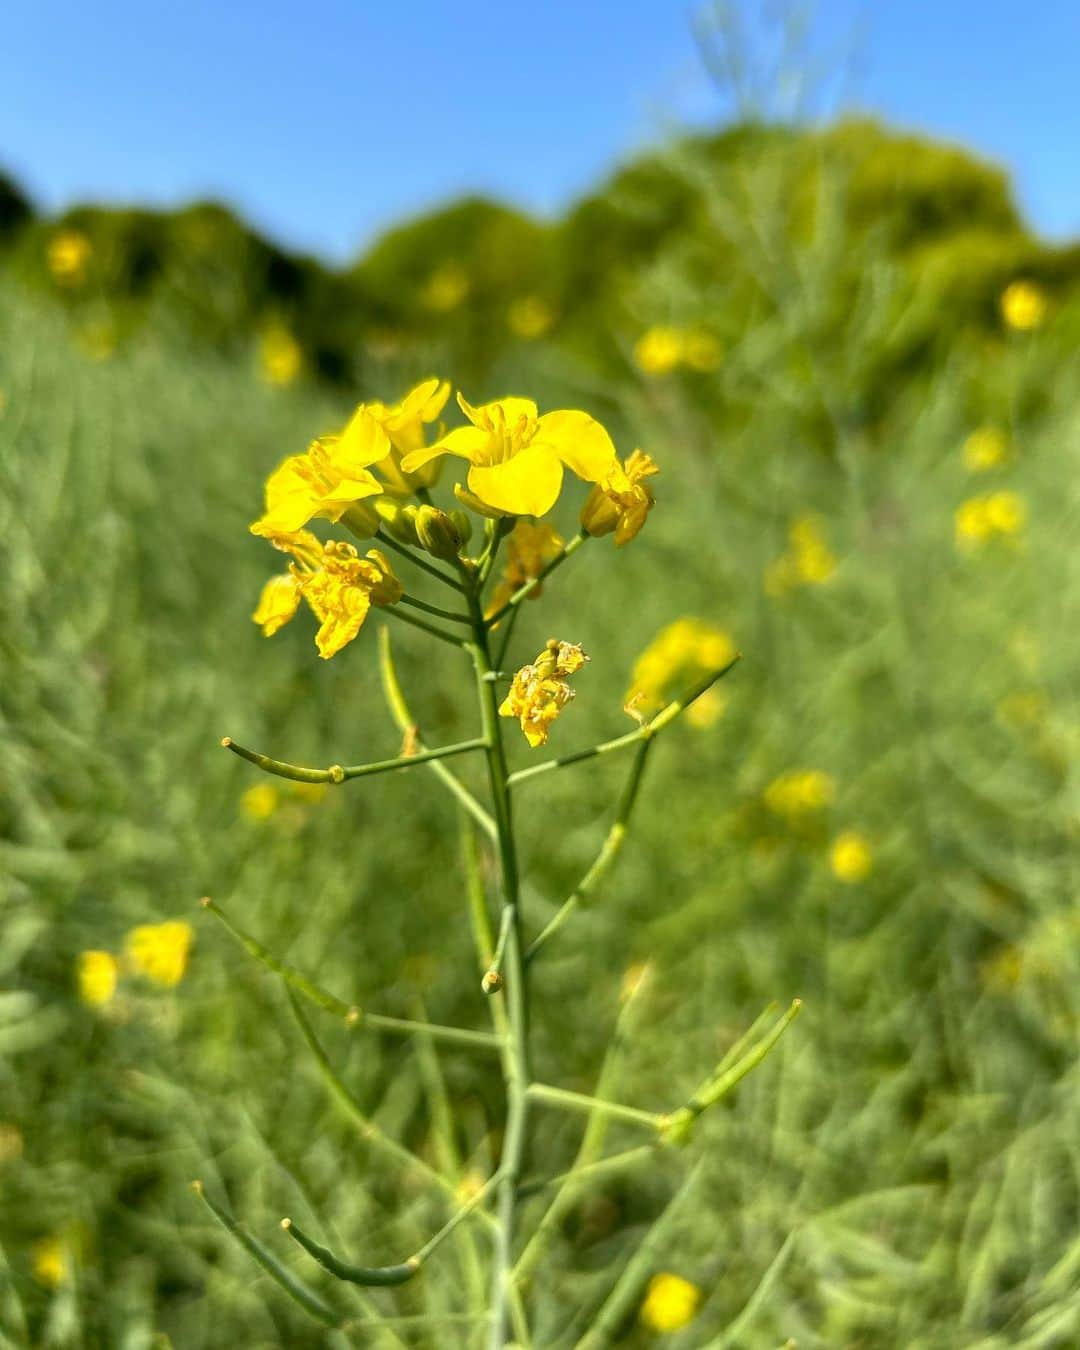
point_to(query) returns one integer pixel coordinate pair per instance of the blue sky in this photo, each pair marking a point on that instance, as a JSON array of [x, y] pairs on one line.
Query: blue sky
[[325, 121]]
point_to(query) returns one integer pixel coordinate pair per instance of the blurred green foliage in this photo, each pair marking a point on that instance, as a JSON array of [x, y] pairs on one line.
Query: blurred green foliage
[[905, 1171]]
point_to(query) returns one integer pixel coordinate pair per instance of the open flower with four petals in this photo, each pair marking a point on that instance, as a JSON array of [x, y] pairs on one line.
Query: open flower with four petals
[[517, 457], [404, 424]]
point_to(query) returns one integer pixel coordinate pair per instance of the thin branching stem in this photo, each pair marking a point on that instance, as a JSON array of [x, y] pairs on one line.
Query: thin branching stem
[[423, 624], [341, 773], [448, 614], [523, 592], [388, 542], [566, 1100]]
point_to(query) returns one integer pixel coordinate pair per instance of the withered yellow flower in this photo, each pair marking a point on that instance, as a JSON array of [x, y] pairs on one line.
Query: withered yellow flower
[[517, 456], [160, 951], [324, 482], [622, 501], [540, 691], [529, 548], [671, 1302], [850, 857], [97, 973], [404, 424]]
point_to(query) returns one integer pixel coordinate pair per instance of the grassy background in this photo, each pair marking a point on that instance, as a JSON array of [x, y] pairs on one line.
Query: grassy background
[[904, 1171]]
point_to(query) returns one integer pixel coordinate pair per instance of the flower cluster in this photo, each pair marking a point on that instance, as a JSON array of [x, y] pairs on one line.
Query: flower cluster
[[680, 654], [157, 952], [799, 792], [664, 348], [807, 560], [540, 691], [1000, 515]]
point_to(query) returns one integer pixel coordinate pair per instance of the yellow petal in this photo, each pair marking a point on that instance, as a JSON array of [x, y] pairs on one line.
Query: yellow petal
[[363, 442], [526, 485], [580, 442], [426, 400], [485, 414], [464, 441], [277, 604], [342, 624]]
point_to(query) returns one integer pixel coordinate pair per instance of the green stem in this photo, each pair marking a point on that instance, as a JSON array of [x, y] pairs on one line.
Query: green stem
[[417, 561], [604, 860], [523, 592], [423, 625], [352, 1015], [338, 773], [343, 1270], [406, 723], [447, 614], [516, 1062], [656, 724], [578, 1101]]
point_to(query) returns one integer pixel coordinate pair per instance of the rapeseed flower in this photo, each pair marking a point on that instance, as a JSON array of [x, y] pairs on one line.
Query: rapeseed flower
[[1023, 306], [160, 951], [259, 802], [702, 351], [517, 457], [850, 857], [327, 480], [800, 792], [404, 424], [97, 974], [68, 257], [446, 288], [281, 357], [681, 653], [530, 317], [339, 586], [671, 1302], [986, 448], [807, 561], [659, 350], [51, 1262], [529, 549], [622, 501], [540, 692], [980, 519]]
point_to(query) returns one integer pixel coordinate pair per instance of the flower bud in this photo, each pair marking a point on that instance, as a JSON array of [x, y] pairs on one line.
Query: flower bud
[[438, 534], [600, 514], [463, 525], [386, 590], [399, 521], [362, 519]]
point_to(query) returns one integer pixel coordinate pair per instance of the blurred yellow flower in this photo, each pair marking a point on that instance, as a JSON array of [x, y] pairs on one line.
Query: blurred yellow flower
[[446, 288], [684, 651], [671, 1302], [706, 711], [702, 351], [807, 561], [99, 341], [516, 457], [51, 1262], [659, 350], [980, 519], [530, 317], [529, 548], [325, 481], [97, 973], [160, 950], [1023, 306], [986, 448], [539, 691], [851, 857], [260, 801], [622, 501], [281, 357], [11, 1143], [68, 257], [309, 792], [800, 791], [404, 424]]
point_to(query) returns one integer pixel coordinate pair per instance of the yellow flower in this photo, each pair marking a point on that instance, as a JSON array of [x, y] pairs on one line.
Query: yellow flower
[[800, 792], [981, 518], [11, 1143], [1023, 306], [681, 653], [807, 561], [671, 1302], [259, 802], [97, 972], [68, 257], [52, 1264], [517, 457], [539, 691], [446, 288], [327, 480], [281, 357], [622, 501], [529, 548], [404, 424], [530, 317], [984, 449], [702, 351], [850, 857], [658, 350], [706, 711], [160, 951], [309, 792]]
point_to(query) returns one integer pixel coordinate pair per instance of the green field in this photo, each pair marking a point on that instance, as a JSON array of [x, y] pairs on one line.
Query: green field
[[904, 1169]]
